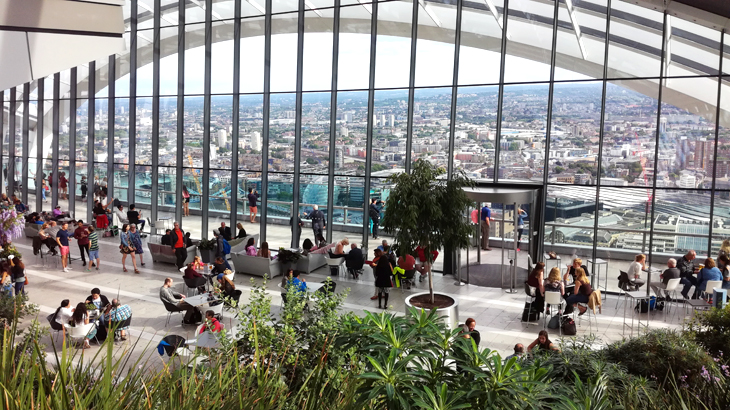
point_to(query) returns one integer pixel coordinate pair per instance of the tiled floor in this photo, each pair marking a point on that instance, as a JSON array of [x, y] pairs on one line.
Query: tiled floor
[[497, 313]]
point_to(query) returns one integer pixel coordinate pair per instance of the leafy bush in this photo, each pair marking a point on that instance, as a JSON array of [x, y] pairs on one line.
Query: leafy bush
[[711, 330]]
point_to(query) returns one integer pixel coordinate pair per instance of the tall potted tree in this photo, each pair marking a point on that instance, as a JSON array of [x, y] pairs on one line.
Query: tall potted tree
[[426, 209]]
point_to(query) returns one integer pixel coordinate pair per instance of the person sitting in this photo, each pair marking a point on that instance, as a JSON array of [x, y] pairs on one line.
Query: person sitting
[[324, 249], [709, 273], [187, 240], [193, 278], [165, 240], [537, 281], [117, 313], [384, 246], [121, 215], [471, 325], [52, 230], [19, 206], [307, 246], [670, 273], [264, 251], [135, 218], [62, 317], [97, 299], [300, 285], [211, 323], [58, 214], [168, 295], [519, 349], [225, 231], [635, 269], [220, 248], [100, 213], [80, 317], [241, 231], [425, 266], [44, 238], [339, 251], [354, 260], [251, 247], [228, 288], [408, 263], [543, 343], [219, 266], [581, 293], [723, 263], [553, 283], [687, 271]]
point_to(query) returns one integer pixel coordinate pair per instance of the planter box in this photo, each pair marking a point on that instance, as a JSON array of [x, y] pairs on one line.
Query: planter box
[[450, 314], [207, 255]]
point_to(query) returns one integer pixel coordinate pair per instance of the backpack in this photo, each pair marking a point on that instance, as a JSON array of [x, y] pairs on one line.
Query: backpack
[[197, 318], [569, 326], [644, 307], [226, 247], [374, 214], [554, 322]]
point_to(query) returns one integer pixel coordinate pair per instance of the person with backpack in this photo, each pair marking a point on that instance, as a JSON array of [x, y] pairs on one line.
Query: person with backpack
[[375, 208], [222, 248]]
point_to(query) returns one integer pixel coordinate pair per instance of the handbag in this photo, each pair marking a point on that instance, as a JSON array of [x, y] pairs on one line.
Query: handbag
[[554, 322], [552, 255], [26, 280]]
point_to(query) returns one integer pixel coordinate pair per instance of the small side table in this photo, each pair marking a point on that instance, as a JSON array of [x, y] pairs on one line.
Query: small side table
[[548, 261], [635, 296], [696, 304], [596, 265]]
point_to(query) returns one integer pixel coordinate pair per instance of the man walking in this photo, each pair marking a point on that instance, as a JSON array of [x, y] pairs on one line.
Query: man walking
[[486, 218], [318, 222], [253, 197], [93, 248], [62, 237], [177, 241], [82, 239], [375, 208]]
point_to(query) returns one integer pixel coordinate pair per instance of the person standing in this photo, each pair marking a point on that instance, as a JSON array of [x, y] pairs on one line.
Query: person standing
[[136, 242], [82, 238], [375, 208], [134, 217], [221, 246], [62, 238], [383, 283], [93, 248], [63, 185], [296, 229], [318, 221], [127, 248], [253, 197], [185, 201], [17, 271], [486, 219], [177, 241], [521, 214], [84, 188]]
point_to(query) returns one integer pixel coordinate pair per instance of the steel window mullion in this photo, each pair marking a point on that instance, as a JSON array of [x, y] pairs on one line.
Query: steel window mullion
[[110, 114], [180, 129], [717, 141], [40, 131], [333, 118], [656, 147], [265, 128], [500, 95], [56, 132], [594, 253], [370, 124], [25, 133], [10, 166], [132, 154], [206, 116], [235, 114], [411, 85], [298, 125], [454, 88], [154, 198], [91, 109]]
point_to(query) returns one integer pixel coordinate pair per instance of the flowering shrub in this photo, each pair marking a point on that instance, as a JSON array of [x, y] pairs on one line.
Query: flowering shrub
[[11, 225]]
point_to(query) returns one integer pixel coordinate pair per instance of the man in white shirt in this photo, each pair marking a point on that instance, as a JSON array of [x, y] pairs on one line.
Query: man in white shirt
[[121, 215]]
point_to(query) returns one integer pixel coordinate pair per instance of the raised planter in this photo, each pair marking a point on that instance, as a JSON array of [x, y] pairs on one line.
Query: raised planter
[[450, 313], [207, 255]]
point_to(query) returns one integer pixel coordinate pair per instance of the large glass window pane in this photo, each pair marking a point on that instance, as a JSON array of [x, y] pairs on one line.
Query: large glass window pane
[[167, 149], [168, 12], [574, 133], [143, 186], [143, 151], [435, 46], [220, 132], [284, 52], [219, 202], [121, 84], [581, 43], [476, 121], [281, 132], [354, 58], [431, 112], [252, 55], [168, 61], [315, 133], [194, 58], [393, 51], [144, 63], [635, 43], [629, 137], [192, 179], [121, 131], [221, 55], [193, 133], [121, 183], [347, 210], [82, 130], [313, 190], [317, 59], [681, 222], [279, 210], [692, 48], [389, 137], [250, 117], [351, 140], [247, 180], [101, 130], [522, 145], [481, 46], [529, 41]]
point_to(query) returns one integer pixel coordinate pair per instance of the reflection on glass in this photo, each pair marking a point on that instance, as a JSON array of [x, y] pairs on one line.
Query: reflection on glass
[[315, 133], [250, 124], [476, 120], [143, 151], [281, 131], [351, 132]]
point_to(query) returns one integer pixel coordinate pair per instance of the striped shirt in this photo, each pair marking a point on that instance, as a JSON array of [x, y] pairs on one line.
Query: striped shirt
[[94, 241]]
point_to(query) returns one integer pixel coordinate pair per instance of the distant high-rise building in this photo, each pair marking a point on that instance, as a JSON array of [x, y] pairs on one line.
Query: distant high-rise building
[[392, 120], [339, 157], [290, 114], [222, 137], [382, 120], [663, 124], [344, 132], [256, 141], [375, 120], [703, 153], [347, 117]]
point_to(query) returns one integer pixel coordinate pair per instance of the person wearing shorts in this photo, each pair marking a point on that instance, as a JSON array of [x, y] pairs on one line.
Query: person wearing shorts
[[253, 196], [93, 248], [63, 237]]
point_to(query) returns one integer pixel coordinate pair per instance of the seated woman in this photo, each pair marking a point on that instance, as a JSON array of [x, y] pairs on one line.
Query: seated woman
[[582, 291], [80, 317], [723, 263], [708, 273], [307, 246], [569, 277], [340, 247], [194, 278], [62, 317], [553, 283], [264, 251], [424, 266], [543, 343], [537, 281], [219, 266], [250, 247], [47, 239], [226, 286], [100, 213], [188, 241], [635, 269], [241, 231]]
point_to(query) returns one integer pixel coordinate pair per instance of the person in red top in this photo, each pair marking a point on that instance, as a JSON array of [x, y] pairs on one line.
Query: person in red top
[[215, 325], [63, 185], [425, 266], [407, 263], [193, 278], [81, 234], [177, 241]]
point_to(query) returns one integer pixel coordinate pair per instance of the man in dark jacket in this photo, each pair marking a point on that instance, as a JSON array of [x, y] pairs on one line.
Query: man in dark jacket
[[177, 241], [686, 268], [374, 213], [354, 260], [220, 248], [670, 273], [318, 221], [99, 300], [225, 231]]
